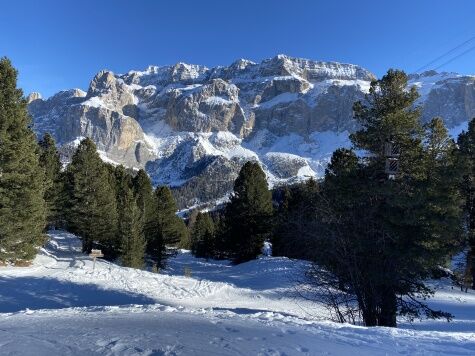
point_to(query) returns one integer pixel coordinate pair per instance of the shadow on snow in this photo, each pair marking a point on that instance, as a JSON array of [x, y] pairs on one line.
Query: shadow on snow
[[20, 293]]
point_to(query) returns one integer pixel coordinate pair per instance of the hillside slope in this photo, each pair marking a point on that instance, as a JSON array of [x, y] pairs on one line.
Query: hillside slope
[[61, 306]]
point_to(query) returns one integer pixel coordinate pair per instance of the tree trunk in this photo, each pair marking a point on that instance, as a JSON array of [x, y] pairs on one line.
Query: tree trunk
[[369, 317], [388, 312], [472, 263], [471, 241], [369, 312]]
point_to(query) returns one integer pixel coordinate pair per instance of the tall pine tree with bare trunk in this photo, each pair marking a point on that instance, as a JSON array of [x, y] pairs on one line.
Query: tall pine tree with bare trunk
[[379, 238]]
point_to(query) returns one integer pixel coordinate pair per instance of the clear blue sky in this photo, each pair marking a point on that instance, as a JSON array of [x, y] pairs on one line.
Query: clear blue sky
[[62, 44]]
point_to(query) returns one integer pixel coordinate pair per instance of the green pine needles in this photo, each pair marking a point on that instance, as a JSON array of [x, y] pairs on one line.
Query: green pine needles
[[22, 183]]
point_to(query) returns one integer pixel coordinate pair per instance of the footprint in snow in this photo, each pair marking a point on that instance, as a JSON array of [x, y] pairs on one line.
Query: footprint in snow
[[231, 330], [110, 342]]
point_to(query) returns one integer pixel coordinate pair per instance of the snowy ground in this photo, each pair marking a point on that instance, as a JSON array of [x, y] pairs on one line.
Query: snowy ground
[[61, 306]]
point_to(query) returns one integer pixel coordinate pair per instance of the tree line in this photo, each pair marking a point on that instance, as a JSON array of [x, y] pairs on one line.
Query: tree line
[[374, 238], [111, 208]]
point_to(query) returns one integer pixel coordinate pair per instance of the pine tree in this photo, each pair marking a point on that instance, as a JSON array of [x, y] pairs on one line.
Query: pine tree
[[249, 213], [143, 191], [202, 236], [441, 188], [294, 217], [466, 143], [22, 205], [190, 223], [221, 234], [51, 163], [166, 227], [130, 226], [92, 212], [382, 238]]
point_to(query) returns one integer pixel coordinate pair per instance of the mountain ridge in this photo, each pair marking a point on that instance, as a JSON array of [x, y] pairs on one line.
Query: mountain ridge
[[192, 127]]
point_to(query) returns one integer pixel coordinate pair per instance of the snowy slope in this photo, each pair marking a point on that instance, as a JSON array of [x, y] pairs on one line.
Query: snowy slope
[[61, 306]]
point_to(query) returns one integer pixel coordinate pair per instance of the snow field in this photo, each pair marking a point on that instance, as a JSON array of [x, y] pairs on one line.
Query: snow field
[[61, 306]]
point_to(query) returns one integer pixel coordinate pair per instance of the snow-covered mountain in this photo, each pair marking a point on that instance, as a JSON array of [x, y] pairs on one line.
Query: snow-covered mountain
[[193, 127]]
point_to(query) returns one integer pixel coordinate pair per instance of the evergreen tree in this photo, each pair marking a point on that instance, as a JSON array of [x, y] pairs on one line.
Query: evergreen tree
[[221, 233], [466, 143], [444, 201], [51, 163], [294, 218], [166, 227], [173, 227], [202, 236], [192, 219], [130, 226], [143, 191], [249, 213], [190, 223], [382, 238], [92, 212], [22, 205]]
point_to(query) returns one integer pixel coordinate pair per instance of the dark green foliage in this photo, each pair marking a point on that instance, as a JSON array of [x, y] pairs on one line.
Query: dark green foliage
[[248, 216], [202, 236], [22, 206], [166, 227], [466, 143], [190, 223], [294, 218], [172, 227], [54, 184], [388, 113], [220, 238], [130, 226], [379, 239], [143, 191], [92, 212]]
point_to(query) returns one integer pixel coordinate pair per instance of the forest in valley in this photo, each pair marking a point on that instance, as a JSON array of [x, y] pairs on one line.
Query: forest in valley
[[387, 216]]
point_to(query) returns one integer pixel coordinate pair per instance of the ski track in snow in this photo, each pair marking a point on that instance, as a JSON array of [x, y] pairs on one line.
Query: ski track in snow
[[61, 306]]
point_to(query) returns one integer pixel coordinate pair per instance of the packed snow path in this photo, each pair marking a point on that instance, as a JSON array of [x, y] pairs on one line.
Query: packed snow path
[[61, 306]]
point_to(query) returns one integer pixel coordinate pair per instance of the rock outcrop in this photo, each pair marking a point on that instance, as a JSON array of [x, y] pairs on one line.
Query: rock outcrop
[[192, 127]]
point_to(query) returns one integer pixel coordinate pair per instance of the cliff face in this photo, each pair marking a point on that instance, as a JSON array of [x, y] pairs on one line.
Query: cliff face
[[446, 95], [192, 127]]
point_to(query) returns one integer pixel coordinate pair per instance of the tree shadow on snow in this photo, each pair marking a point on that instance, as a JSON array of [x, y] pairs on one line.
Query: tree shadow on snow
[[20, 293]]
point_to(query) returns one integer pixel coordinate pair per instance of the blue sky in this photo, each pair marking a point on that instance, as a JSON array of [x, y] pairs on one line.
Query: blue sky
[[62, 44]]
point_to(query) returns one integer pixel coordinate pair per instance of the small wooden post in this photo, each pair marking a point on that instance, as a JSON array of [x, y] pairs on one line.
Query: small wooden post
[[155, 268], [95, 254]]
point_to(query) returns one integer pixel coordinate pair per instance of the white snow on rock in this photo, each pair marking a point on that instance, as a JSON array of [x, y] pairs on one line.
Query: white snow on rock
[[61, 306], [429, 80]]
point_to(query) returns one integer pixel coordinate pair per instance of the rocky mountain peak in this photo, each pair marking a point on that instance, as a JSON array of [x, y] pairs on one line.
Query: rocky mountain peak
[[103, 82], [182, 72], [32, 97], [193, 127], [241, 64]]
